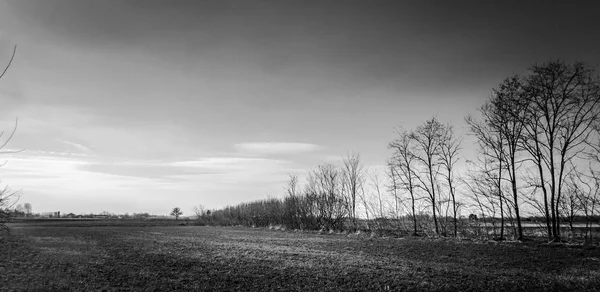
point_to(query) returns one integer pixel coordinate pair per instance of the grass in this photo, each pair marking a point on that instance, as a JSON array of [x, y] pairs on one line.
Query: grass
[[51, 257]]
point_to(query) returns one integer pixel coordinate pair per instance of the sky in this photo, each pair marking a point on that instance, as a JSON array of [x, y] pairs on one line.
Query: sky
[[141, 106]]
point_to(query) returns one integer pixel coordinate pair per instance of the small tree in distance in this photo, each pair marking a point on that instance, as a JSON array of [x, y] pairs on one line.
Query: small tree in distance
[[176, 212]]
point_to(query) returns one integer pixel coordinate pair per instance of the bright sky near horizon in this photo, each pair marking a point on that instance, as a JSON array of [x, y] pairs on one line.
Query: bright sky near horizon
[[141, 106]]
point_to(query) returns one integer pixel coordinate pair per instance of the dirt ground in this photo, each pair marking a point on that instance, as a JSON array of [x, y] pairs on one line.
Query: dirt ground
[[64, 257]]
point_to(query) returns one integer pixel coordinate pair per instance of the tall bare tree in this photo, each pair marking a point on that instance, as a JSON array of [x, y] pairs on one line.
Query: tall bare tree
[[563, 103], [449, 150], [500, 135], [509, 113], [428, 139], [353, 176], [402, 169]]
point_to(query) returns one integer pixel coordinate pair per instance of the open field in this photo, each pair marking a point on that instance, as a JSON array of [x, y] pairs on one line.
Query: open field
[[89, 222], [70, 257]]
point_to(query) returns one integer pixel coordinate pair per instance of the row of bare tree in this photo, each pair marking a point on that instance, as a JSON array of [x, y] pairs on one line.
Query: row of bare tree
[[538, 140], [538, 151], [329, 198], [423, 162]]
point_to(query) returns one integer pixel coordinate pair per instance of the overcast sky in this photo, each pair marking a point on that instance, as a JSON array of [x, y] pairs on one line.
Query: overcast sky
[[141, 106]]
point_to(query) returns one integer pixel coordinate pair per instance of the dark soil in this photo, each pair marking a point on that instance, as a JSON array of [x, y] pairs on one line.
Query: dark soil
[[190, 258]]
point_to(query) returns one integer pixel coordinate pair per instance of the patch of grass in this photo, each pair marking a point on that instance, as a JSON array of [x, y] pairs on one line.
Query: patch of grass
[[170, 258]]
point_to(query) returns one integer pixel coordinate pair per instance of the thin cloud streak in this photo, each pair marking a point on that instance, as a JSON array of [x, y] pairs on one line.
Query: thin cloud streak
[[276, 148], [228, 162], [77, 146]]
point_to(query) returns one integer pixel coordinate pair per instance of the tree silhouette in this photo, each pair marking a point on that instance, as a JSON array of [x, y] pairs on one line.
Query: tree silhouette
[[176, 212]]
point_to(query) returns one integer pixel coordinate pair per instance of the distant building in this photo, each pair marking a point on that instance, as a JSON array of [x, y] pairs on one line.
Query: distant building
[[50, 214]]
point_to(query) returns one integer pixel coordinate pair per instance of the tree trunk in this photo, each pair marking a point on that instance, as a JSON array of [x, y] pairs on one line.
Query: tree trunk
[[433, 199], [414, 214]]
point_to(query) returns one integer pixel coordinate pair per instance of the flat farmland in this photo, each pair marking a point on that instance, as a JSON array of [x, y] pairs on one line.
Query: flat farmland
[[71, 257]]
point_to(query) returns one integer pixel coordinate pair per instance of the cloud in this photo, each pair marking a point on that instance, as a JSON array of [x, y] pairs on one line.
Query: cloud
[[77, 146], [231, 163], [43, 153], [276, 147], [54, 183], [147, 170], [235, 170], [47, 168]]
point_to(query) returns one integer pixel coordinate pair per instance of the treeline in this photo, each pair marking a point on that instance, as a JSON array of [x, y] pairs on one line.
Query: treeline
[[538, 152], [328, 199]]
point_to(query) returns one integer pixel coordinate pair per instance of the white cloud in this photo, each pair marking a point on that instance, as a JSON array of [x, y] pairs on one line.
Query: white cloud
[[276, 147], [60, 181], [232, 170], [224, 162], [43, 153], [65, 175], [235, 165]]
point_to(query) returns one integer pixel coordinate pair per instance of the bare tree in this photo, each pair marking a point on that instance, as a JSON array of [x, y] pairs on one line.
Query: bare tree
[[563, 103], [501, 134], [353, 176], [509, 112], [449, 148], [176, 212], [402, 169], [428, 142], [293, 203], [324, 189]]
